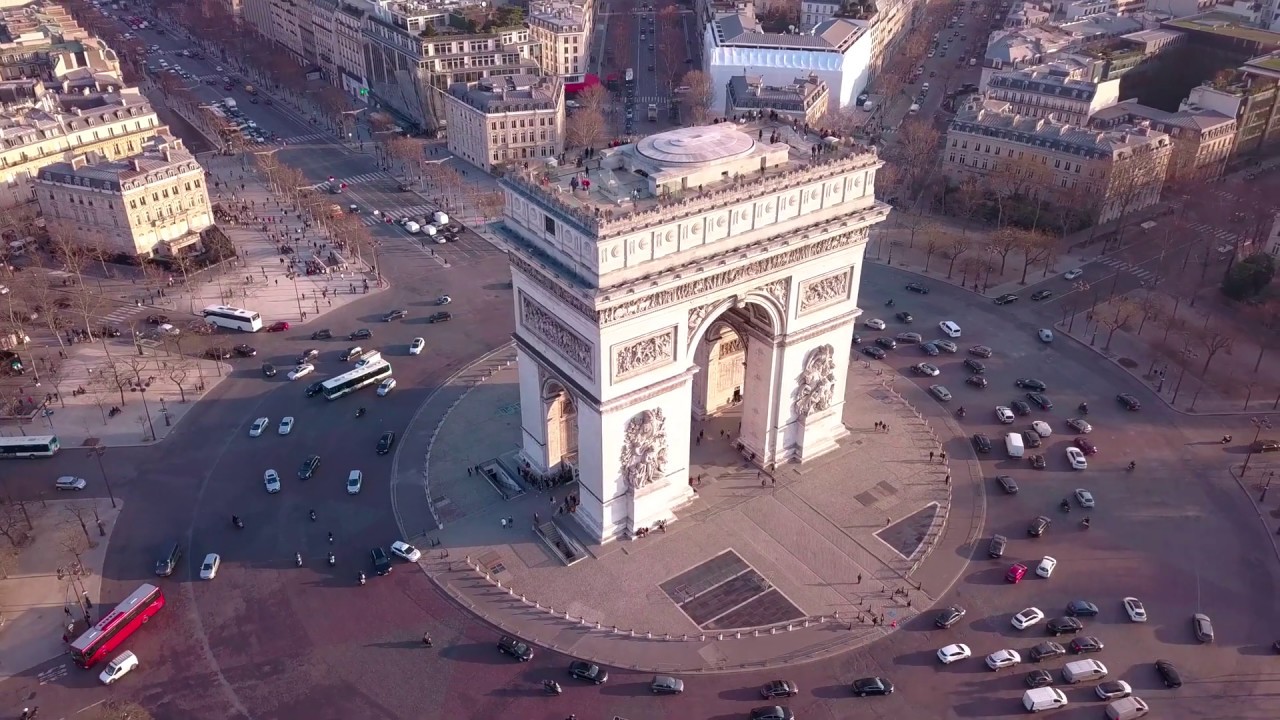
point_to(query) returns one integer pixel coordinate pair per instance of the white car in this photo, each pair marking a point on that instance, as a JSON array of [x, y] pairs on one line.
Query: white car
[[1072, 274], [286, 425], [875, 324], [1084, 497], [1135, 609], [168, 329], [1045, 334], [271, 480], [1027, 618], [386, 386], [301, 370], [209, 568], [1004, 415], [415, 347], [119, 667], [951, 329], [927, 369], [952, 653], [1003, 659], [1042, 428], [1046, 567], [4, 290], [404, 550], [355, 481], [1076, 458], [258, 426]]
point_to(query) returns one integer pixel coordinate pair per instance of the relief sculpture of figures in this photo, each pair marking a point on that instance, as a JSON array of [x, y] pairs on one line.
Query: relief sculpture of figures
[[645, 353], [817, 382], [644, 449], [546, 326]]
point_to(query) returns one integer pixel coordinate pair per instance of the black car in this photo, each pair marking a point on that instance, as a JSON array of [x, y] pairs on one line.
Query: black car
[[245, 350], [217, 353], [887, 343], [918, 288], [1037, 462], [981, 351], [515, 648], [1063, 626], [308, 468], [909, 338], [1085, 446], [583, 670], [1007, 484], [308, 355], [770, 712], [873, 351], [1047, 651], [1039, 679], [1081, 608], [322, 335], [395, 315], [1042, 295], [361, 334], [1040, 400], [385, 442], [314, 388], [157, 319], [1031, 384], [857, 339], [976, 381], [997, 545], [1038, 526], [268, 369], [863, 687], [905, 317], [779, 688], [1006, 299], [440, 317], [948, 617], [381, 563], [1128, 401], [1086, 644], [1020, 408], [930, 349], [1031, 439], [975, 365], [110, 331], [981, 443], [1169, 674]]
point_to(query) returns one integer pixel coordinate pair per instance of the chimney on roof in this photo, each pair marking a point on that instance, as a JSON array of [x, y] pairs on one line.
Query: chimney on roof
[[135, 164], [79, 161]]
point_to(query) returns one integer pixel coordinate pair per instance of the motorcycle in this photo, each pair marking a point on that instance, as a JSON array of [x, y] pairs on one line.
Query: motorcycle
[[332, 560], [362, 578], [1066, 506], [960, 412], [1226, 439], [235, 520], [298, 558], [1132, 465], [1085, 523], [360, 412], [890, 303], [313, 516], [1084, 408], [551, 687]]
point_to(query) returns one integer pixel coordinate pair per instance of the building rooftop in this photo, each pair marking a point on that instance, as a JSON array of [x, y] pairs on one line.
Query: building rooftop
[[565, 15], [1265, 65], [801, 93], [1026, 44], [54, 116], [510, 93], [1226, 24], [37, 24], [1103, 25], [1056, 136], [1128, 111], [161, 156], [1046, 80], [742, 29]]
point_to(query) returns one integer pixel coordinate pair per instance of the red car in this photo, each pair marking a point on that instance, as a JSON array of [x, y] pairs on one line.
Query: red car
[[1016, 572], [1085, 446], [279, 327]]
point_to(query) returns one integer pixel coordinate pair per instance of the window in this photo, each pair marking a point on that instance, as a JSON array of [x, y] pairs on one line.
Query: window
[[549, 224]]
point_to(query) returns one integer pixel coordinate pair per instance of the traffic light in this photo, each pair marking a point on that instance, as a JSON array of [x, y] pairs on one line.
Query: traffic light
[[364, 92]]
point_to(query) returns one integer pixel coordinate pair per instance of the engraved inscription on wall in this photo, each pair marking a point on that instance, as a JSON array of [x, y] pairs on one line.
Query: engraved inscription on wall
[[826, 290], [541, 323], [634, 357]]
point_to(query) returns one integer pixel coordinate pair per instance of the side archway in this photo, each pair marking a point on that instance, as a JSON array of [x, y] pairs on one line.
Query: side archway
[[561, 414]]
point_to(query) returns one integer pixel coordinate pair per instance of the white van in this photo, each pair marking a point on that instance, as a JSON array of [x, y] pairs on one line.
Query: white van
[[429, 229], [1046, 698], [1130, 708], [412, 227], [1082, 671], [915, 108], [1013, 444], [439, 218]]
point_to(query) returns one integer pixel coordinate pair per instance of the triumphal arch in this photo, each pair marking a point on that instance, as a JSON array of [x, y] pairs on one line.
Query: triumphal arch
[[700, 271]]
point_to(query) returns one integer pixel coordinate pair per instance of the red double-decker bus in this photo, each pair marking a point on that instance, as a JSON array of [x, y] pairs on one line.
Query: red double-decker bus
[[98, 641]]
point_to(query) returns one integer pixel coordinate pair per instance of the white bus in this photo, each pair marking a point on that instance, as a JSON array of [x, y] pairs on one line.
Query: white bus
[[366, 374], [233, 318], [29, 446]]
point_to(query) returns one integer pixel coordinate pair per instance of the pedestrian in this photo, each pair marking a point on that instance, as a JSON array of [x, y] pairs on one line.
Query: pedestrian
[[930, 456], [65, 638], [773, 481], [536, 520], [944, 456], [426, 639], [330, 538], [888, 521], [859, 578], [504, 523], [948, 480], [763, 483]]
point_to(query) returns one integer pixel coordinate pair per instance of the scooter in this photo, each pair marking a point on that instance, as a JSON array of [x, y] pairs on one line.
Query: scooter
[[1066, 506], [890, 303], [313, 516], [960, 413], [332, 560], [362, 578], [1226, 439], [360, 412], [1084, 408], [298, 558], [235, 520], [1085, 523], [1132, 465], [551, 687]]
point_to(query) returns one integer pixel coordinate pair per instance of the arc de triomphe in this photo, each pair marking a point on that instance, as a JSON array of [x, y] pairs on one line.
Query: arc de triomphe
[[700, 271]]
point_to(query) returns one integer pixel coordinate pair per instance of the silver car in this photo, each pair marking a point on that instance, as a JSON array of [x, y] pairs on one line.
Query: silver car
[[1203, 627], [940, 392], [666, 685]]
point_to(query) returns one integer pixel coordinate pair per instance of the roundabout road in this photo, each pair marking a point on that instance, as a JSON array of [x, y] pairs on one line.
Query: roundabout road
[[269, 640]]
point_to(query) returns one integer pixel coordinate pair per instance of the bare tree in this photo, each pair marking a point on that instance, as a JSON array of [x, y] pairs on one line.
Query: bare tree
[[585, 128], [115, 376], [178, 371], [697, 99], [82, 517], [13, 517], [1125, 311], [1213, 341], [932, 244], [406, 152], [1002, 242], [1151, 310], [595, 97], [959, 246], [1036, 247], [973, 266], [918, 150]]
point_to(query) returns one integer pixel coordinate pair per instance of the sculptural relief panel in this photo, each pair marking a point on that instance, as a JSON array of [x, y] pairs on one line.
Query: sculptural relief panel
[[565, 341], [816, 386], [635, 357], [644, 449], [827, 290]]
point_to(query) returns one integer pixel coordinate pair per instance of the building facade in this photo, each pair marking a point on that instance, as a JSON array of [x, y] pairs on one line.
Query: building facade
[[1050, 92], [43, 41], [1250, 95], [511, 119], [348, 42], [151, 203], [1203, 140], [804, 100], [562, 31]]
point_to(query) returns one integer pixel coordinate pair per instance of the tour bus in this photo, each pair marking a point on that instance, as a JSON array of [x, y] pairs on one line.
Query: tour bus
[[367, 374], [28, 446], [113, 629], [233, 318]]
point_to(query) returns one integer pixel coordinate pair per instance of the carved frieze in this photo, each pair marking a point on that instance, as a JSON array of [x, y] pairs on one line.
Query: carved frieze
[[778, 290], [634, 357], [731, 347], [824, 291], [644, 449], [817, 386], [544, 325], [546, 283], [698, 315]]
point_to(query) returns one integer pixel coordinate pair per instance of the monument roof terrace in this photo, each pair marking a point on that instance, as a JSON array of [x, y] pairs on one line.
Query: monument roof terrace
[[685, 172]]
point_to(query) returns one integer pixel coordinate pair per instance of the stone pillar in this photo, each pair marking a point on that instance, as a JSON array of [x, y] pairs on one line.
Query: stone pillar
[[533, 419], [811, 394]]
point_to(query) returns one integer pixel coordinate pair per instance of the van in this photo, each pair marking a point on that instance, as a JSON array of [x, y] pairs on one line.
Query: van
[[915, 108], [1013, 444], [1129, 708], [1083, 671], [439, 218], [1046, 698], [351, 353], [412, 227], [168, 563]]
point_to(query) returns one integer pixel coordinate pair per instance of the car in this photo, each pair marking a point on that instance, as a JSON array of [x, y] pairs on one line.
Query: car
[[666, 685], [280, 326], [905, 317], [981, 443], [917, 288], [271, 481], [404, 550], [1063, 626], [395, 315], [1085, 645], [1128, 401], [1079, 425], [952, 653], [119, 666], [314, 388], [1041, 428], [1263, 446], [769, 712], [857, 339], [996, 547], [1085, 445], [930, 349], [909, 338], [243, 350], [874, 352], [1081, 608], [1031, 384], [1006, 299], [382, 566], [324, 334], [1047, 651], [386, 386], [1039, 679], [286, 425], [1134, 608], [1045, 335], [218, 353], [361, 334], [1038, 526], [863, 687], [157, 319], [255, 430], [779, 688], [70, 482], [308, 467], [209, 568], [268, 370], [1001, 659], [1027, 618], [1169, 674], [583, 670], [440, 317], [1031, 439], [1039, 295], [1041, 400], [1004, 415], [385, 442], [168, 329], [981, 351], [301, 371], [1038, 462], [1113, 689], [887, 343], [1015, 573], [977, 381], [874, 324], [926, 369], [940, 392], [1072, 274], [1084, 497], [1202, 627], [1008, 484], [951, 329], [975, 366], [308, 355], [355, 481], [416, 346], [1075, 457], [1020, 408], [949, 616], [946, 346]]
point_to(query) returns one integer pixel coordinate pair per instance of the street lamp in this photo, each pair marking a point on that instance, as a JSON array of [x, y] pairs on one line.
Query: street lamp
[[1262, 423], [97, 451]]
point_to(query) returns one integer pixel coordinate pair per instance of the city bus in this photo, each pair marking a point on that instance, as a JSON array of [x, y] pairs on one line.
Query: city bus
[[28, 446], [233, 318], [369, 373], [98, 641]]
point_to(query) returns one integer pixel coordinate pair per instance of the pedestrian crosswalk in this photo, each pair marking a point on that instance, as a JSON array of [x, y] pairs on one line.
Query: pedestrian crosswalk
[[1122, 266], [121, 314], [647, 99], [1221, 235]]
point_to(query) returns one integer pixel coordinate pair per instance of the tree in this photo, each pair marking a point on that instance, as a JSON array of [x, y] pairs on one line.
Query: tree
[[595, 97], [1133, 184], [918, 144], [1002, 242], [585, 128], [406, 152], [973, 266], [932, 244], [959, 246], [1249, 277], [178, 371], [699, 96], [81, 517], [1151, 310], [1213, 341], [1036, 246], [1125, 311]]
